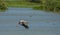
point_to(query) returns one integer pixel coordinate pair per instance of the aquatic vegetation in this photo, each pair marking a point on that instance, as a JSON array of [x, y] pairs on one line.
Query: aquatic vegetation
[[49, 5], [46, 5], [2, 5]]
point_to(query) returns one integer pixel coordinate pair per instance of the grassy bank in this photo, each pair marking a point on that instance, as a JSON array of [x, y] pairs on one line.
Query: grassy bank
[[20, 4], [49, 5], [46, 5], [2, 5]]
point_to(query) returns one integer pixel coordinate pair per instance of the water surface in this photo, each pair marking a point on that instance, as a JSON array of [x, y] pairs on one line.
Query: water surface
[[40, 22]]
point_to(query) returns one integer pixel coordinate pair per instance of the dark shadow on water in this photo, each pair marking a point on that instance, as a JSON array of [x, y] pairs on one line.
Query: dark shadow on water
[[4, 10]]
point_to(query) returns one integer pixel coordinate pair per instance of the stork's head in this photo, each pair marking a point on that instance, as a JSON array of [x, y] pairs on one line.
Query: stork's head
[[23, 21]]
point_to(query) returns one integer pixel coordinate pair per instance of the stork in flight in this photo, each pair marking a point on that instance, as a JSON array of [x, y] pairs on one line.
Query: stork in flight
[[24, 23]]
